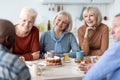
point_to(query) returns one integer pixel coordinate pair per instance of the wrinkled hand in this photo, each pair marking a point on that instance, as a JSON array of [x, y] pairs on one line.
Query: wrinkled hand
[[92, 28], [87, 30], [85, 67], [36, 55]]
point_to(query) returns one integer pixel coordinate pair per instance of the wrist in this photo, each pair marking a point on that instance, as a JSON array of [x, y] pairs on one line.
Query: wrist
[[86, 33]]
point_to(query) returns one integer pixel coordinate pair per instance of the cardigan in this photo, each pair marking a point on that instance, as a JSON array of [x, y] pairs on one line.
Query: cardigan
[[11, 67], [68, 43]]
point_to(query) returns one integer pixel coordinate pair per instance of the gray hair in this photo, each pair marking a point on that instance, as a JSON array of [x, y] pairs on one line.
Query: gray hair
[[95, 11], [28, 11], [117, 15], [69, 26]]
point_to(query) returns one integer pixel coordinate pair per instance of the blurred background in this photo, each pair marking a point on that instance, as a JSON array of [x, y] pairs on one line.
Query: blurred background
[[10, 9]]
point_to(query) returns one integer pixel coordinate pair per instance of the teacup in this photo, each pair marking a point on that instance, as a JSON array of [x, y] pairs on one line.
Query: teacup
[[79, 55], [50, 53]]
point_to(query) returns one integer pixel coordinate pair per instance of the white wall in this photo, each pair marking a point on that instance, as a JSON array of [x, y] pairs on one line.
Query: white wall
[[114, 9], [10, 9]]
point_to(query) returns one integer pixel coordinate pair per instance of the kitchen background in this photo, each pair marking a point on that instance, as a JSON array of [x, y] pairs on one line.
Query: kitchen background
[[10, 9]]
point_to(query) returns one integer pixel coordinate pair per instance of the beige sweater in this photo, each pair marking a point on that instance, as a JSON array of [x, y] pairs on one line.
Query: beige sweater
[[97, 41]]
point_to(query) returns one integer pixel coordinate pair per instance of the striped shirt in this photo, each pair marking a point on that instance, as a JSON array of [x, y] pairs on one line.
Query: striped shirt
[[107, 66], [11, 67]]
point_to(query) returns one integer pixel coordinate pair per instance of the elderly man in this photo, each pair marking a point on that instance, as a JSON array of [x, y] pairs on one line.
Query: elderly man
[[27, 35], [11, 67], [109, 64]]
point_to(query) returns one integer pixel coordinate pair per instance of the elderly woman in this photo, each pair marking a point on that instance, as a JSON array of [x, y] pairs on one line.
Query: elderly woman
[[27, 35], [93, 35], [59, 38]]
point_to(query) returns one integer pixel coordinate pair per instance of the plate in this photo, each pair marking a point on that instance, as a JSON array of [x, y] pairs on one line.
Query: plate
[[44, 64], [67, 61], [54, 66], [28, 63]]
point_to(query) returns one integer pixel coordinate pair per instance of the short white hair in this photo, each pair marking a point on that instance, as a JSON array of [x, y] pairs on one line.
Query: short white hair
[[69, 27], [28, 11]]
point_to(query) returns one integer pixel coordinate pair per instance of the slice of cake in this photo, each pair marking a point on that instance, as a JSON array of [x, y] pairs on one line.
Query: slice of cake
[[87, 61], [66, 57]]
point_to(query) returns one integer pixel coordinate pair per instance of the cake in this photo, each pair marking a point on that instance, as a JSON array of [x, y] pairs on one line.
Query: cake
[[78, 61], [55, 61], [87, 61], [66, 57]]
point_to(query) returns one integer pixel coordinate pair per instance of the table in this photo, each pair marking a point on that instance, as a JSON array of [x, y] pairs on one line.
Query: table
[[68, 71]]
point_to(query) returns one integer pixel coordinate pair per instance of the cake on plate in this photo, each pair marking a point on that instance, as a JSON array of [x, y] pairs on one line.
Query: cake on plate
[[87, 61], [55, 61]]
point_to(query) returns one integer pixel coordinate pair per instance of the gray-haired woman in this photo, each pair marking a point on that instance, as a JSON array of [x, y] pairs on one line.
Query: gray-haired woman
[[59, 38], [27, 35]]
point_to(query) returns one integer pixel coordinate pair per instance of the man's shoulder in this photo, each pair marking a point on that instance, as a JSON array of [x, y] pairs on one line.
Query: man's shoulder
[[11, 64], [115, 45], [8, 59], [11, 60]]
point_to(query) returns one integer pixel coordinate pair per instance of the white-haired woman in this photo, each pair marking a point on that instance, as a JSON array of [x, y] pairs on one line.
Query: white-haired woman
[[27, 35], [93, 35], [59, 38]]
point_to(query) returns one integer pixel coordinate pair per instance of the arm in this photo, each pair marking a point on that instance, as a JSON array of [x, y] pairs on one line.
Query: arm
[[30, 56], [108, 63], [24, 74], [34, 47], [74, 46], [22, 71], [83, 42]]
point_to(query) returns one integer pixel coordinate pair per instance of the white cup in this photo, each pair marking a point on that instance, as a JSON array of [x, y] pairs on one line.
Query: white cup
[[34, 70], [49, 54]]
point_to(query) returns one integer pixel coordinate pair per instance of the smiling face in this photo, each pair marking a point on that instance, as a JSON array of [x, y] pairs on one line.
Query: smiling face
[[115, 30], [26, 23], [90, 19], [61, 22]]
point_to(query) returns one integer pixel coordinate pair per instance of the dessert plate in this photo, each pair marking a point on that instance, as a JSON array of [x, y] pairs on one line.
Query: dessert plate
[[68, 61], [43, 64], [28, 63], [54, 66]]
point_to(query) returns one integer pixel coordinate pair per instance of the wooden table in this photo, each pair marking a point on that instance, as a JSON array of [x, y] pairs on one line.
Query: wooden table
[[68, 71]]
